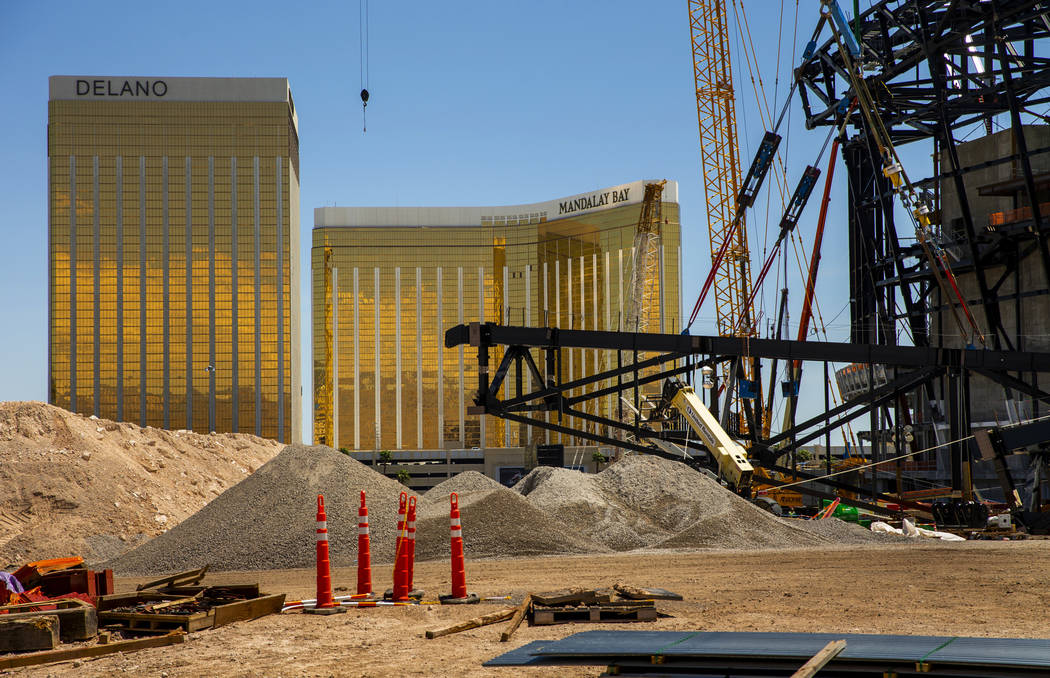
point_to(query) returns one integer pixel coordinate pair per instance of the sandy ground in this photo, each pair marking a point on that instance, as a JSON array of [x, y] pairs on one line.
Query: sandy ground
[[967, 589]]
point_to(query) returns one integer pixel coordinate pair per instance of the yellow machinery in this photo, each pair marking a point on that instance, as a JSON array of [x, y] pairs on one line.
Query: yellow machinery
[[730, 455]]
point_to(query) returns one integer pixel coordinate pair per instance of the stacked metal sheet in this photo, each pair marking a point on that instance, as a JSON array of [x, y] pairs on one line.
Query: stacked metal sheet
[[753, 655]]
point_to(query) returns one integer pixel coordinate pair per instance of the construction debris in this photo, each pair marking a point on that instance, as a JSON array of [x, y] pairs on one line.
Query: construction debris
[[575, 604], [483, 620]]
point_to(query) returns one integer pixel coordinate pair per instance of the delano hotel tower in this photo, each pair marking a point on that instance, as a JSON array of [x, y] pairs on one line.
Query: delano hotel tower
[[173, 221], [402, 276]]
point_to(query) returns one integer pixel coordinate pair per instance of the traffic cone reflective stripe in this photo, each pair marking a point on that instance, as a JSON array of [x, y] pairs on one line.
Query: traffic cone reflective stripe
[[324, 576], [459, 576], [364, 553], [411, 542]]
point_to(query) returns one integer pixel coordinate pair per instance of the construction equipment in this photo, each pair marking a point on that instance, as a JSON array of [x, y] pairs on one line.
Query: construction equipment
[[728, 454], [726, 198]]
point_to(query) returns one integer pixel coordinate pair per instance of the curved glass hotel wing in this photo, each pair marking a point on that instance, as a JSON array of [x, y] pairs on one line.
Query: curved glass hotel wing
[[388, 282]]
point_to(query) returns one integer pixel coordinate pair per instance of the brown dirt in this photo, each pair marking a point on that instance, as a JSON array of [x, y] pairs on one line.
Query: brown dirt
[[76, 485], [965, 589]]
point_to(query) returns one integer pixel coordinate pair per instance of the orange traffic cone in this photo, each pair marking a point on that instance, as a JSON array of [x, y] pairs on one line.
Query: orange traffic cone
[[411, 544], [459, 575], [364, 553], [325, 603], [400, 589]]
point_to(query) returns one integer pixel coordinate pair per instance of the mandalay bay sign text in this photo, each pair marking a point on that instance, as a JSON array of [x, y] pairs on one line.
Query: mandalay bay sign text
[[593, 201]]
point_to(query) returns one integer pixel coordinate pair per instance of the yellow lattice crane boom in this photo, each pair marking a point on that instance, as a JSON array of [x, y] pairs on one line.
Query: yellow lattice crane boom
[[720, 169]]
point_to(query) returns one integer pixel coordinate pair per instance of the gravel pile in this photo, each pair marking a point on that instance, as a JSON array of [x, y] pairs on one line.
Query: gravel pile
[[268, 520], [841, 532], [497, 523], [645, 501], [637, 502], [468, 481]]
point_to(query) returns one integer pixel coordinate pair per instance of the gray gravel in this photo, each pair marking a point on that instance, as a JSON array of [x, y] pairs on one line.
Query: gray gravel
[[841, 532], [268, 520]]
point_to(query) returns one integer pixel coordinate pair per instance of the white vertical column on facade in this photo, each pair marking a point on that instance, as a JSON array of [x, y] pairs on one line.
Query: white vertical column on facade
[[528, 323], [681, 312], [335, 357], [462, 386], [505, 313], [419, 358], [483, 443], [594, 323], [609, 362], [120, 288], [165, 274], [440, 352], [558, 317], [258, 303], [142, 291], [377, 379], [583, 325], [619, 291], [546, 323], [235, 338], [397, 356], [571, 326], [355, 327], [189, 292], [211, 296], [280, 300], [73, 283], [663, 316], [96, 302]]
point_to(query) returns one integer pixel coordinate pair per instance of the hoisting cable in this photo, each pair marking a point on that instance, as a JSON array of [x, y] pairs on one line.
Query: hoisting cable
[[893, 169], [362, 34], [753, 180]]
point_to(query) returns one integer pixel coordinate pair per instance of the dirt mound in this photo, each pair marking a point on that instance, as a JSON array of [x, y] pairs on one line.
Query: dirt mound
[[78, 485], [268, 520]]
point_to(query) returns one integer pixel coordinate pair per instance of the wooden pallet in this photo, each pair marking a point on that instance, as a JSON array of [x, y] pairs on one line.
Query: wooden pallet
[[605, 613], [149, 623]]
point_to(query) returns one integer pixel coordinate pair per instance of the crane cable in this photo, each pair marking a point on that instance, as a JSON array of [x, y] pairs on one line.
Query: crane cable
[[362, 34], [717, 259]]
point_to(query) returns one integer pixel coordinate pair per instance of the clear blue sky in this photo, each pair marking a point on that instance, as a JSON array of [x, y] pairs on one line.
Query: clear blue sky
[[481, 103]]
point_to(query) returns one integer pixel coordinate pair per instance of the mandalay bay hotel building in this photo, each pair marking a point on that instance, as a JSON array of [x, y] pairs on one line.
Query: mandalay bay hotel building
[[173, 215], [388, 282]]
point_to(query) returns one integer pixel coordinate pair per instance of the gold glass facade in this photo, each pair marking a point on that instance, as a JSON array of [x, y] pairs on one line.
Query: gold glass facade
[[173, 253], [400, 287]]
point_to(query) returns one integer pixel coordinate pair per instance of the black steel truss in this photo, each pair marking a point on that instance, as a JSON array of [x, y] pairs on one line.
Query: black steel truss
[[657, 357], [923, 55]]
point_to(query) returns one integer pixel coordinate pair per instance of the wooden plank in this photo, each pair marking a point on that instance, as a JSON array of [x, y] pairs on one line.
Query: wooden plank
[[29, 632], [248, 609], [76, 621], [182, 578], [575, 595], [515, 621], [91, 651], [474, 623], [645, 593], [817, 661]]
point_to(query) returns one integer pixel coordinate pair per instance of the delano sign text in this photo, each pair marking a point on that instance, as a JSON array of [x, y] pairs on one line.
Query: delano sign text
[[122, 88], [592, 201]]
